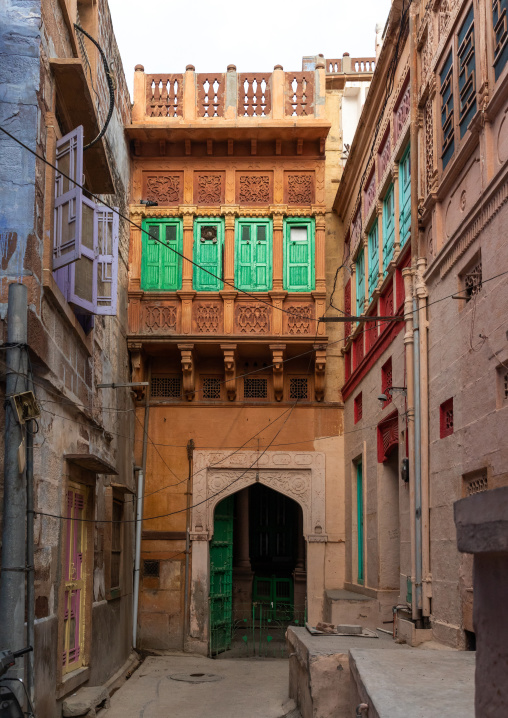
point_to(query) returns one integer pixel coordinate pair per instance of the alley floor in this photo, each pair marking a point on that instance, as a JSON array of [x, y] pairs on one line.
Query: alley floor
[[198, 687]]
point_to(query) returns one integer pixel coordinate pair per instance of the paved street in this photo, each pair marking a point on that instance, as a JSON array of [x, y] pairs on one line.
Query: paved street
[[243, 688]]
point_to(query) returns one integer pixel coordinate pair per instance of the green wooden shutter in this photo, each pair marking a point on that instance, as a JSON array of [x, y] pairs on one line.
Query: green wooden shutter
[[161, 261], [253, 255], [388, 229], [208, 254], [299, 255], [373, 258], [360, 282], [405, 197]]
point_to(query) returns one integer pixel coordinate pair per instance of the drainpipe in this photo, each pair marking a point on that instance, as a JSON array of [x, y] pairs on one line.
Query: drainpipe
[[139, 515], [417, 598], [422, 297], [190, 455], [30, 585]]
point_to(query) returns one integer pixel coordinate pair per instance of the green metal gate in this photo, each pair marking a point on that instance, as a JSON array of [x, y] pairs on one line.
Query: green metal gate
[[221, 578]]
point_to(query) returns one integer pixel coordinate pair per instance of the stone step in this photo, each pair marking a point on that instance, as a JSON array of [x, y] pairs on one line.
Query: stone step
[[346, 607], [85, 702]]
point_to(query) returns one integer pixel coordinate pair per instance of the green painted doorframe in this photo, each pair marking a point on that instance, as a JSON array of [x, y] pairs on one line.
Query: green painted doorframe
[[221, 578]]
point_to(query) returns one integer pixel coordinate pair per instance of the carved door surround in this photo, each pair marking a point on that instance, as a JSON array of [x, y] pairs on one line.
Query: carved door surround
[[300, 475]]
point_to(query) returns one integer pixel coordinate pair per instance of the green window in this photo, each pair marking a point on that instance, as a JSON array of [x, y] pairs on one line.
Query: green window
[[388, 228], [253, 255], [499, 12], [467, 72], [373, 258], [447, 121], [360, 282], [208, 254], [161, 260], [405, 197], [359, 507], [299, 255]]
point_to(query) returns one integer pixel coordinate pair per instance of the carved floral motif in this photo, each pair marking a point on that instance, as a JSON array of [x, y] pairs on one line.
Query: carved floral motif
[[160, 318], [299, 189], [445, 12], [427, 51], [254, 189], [370, 194], [210, 189], [253, 318], [429, 146], [299, 319], [402, 114], [164, 189], [207, 318], [384, 156]]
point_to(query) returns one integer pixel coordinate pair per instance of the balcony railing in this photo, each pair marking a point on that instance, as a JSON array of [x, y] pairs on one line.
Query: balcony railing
[[350, 65]]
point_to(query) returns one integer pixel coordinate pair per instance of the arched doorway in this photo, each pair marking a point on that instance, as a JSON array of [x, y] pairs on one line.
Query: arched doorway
[[257, 572]]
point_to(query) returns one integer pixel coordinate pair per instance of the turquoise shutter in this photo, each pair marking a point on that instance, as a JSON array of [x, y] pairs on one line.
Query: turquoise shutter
[[373, 258], [388, 229], [253, 271], [208, 254], [299, 256], [405, 197], [161, 265], [360, 282]]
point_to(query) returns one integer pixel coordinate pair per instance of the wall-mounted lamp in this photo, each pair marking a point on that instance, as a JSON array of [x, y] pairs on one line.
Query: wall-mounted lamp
[[148, 203], [389, 392]]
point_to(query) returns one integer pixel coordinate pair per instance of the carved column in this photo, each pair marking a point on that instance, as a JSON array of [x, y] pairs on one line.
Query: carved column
[[379, 212], [230, 369], [187, 351], [277, 315], [365, 242], [278, 243], [278, 351], [319, 372], [188, 245], [320, 253], [396, 204], [229, 245], [135, 251]]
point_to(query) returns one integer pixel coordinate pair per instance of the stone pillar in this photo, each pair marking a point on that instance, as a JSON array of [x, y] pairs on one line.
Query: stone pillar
[[231, 99], [320, 253], [365, 242], [229, 248], [139, 106], [278, 80], [199, 626], [242, 573], [482, 529], [278, 244], [189, 94], [188, 245], [315, 579], [300, 574]]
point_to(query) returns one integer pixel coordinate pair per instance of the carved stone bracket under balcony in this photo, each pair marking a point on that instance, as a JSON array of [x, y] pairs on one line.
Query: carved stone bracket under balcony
[[319, 372], [278, 351], [137, 363], [230, 369], [188, 370]]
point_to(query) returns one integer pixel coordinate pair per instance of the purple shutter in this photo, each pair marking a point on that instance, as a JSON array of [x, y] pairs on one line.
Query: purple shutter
[[61, 277], [106, 236], [82, 272], [68, 199]]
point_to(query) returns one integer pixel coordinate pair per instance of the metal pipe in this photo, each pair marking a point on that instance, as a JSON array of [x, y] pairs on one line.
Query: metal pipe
[[190, 455], [418, 466], [12, 585], [30, 586], [139, 516]]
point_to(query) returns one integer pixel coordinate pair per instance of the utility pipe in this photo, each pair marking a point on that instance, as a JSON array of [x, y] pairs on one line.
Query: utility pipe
[[190, 457], [139, 515], [417, 599], [30, 585]]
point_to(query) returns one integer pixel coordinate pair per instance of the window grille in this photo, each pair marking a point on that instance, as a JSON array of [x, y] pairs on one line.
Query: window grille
[[467, 80], [477, 485], [298, 388], [473, 281], [358, 408], [255, 387], [499, 11], [166, 387], [446, 418], [211, 387], [151, 568], [386, 380]]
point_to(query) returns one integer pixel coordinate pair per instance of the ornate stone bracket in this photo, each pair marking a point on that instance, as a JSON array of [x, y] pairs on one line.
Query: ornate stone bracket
[[319, 372], [188, 370], [278, 370], [137, 363], [230, 369]]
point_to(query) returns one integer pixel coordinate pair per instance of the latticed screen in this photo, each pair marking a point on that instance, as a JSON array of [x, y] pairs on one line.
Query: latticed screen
[[151, 568], [166, 387], [477, 484], [211, 387], [255, 387], [298, 388], [473, 281]]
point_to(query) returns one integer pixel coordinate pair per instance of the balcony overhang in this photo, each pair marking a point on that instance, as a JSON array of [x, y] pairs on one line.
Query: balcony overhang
[[92, 462], [75, 106]]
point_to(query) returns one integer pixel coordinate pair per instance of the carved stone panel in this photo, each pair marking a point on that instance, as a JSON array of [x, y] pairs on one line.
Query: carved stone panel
[[297, 474], [299, 318], [254, 187], [159, 319], [165, 188], [207, 317], [209, 188], [252, 318], [299, 188]]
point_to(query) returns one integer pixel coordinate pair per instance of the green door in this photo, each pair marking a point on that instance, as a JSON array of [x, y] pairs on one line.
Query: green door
[[161, 260], [221, 578], [299, 255], [208, 254], [253, 255]]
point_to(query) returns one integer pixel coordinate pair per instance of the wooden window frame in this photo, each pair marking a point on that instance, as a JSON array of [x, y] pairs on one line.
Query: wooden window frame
[[373, 252], [404, 201], [112, 532], [240, 223], [161, 222]]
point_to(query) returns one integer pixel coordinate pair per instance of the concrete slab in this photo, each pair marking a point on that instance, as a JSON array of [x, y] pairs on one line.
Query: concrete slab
[[249, 688], [420, 684]]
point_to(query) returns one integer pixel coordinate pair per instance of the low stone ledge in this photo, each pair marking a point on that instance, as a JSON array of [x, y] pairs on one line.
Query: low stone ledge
[[85, 702], [482, 522]]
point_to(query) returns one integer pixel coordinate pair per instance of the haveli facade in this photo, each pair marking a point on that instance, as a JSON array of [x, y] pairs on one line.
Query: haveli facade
[[422, 199], [241, 429]]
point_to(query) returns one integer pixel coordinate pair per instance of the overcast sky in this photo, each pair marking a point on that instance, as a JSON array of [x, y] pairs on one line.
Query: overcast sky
[[165, 36]]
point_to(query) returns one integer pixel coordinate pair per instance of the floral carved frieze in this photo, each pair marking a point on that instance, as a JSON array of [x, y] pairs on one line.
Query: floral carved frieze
[[159, 319], [300, 189], [164, 189], [208, 317], [209, 189], [297, 474], [402, 113], [253, 318], [254, 189], [299, 319]]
